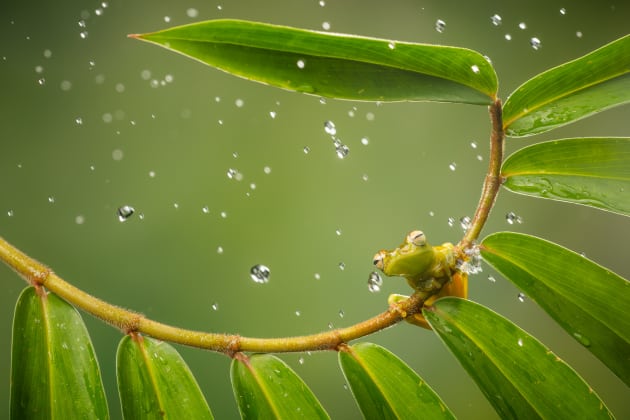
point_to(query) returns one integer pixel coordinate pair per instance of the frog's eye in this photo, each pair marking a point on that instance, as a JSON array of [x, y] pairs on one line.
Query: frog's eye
[[417, 238], [379, 259]]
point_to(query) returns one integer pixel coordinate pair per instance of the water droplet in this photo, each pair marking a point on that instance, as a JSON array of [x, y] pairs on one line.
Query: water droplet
[[326, 26], [272, 114], [205, 209], [475, 68], [223, 215], [192, 12], [10, 213], [260, 273], [239, 103], [231, 173], [167, 19], [79, 220], [440, 25], [452, 166], [41, 81], [520, 342], [322, 3], [451, 221], [535, 43], [365, 141], [117, 154], [583, 340], [329, 128], [306, 150], [215, 306], [464, 222], [301, 360], [317, 276], [512, 218], [364, 177], [298, 312], [369, 116], [47, 53], [301, 64], [219, 250], [124, 213], [341, 149], [496, 20], [391, 45], [342, 266], [374, 282], [83, 34], [563, 11], [338, 232], [65, 85], [578, 34], [491, 279], [341, 313], [51, 199], [521, 297], [330, 326], [522, 26], [78, 120], [267, 170], [508, 37], [473, 144]]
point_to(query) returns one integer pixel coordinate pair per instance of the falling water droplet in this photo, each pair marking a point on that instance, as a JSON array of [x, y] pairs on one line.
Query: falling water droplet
[[491, 279], [341, 149], [451, 221], [452, 166], [267, 170], [374, 282], [365, 141], [496, 20], [298, 312], [342, 266], [522, 25], [338, 232], [215, 306], [329, 128], [341, 313], [78, 121], [51, 199], [508, 37], [124, 213], [306, 150], [317, 276], [521, 297], [301, 360], [563, 11], [205, 209], [326, 26], [464, 222], [10, 213], [219, 250], [260, 273], [578, 34], [440, 25], [535, 43], [512, 218]]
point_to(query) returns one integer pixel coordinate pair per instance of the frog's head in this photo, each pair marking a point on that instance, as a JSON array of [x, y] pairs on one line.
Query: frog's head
[[411, 259]]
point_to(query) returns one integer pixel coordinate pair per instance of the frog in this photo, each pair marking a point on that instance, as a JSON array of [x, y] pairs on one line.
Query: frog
[[422, 265]]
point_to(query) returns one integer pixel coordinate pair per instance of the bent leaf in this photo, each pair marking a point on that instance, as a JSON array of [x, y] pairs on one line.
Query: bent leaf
[[386, 388], [154, 382], [334, 65], [54, 372], [590, 171], [571, 91], [587, 300], [519, 376], [266, 388]]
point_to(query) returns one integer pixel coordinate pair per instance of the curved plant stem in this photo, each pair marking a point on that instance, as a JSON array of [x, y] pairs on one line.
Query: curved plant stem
[[38, 274], [130, 322], [493, 180]]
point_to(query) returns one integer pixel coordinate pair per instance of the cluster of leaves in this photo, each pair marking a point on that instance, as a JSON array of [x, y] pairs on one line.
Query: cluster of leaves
[[54, 369]]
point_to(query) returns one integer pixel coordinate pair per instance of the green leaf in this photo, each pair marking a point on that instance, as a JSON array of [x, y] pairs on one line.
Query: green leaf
[[386, 388], [519, 376], [571, 91], [334, 65], [266, 388], [590, 171], [54, 372], [587, 300], [154, 382]]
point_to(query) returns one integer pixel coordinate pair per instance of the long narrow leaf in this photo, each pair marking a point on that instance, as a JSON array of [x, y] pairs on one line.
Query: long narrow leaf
[[334, 65], [519, 376], [574, 90], [386, 388], [154, 382], [590, 171], [266, 388], [587, 300], [54, 372]]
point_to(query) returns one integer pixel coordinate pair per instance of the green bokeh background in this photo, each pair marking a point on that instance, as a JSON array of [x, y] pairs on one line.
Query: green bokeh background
[[189, 131]]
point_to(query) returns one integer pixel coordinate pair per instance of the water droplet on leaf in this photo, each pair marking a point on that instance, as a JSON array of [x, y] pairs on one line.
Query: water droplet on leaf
[[583, 340], [260, 273]]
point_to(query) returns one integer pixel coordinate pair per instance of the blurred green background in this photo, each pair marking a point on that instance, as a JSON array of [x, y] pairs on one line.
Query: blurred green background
[[91, 120]]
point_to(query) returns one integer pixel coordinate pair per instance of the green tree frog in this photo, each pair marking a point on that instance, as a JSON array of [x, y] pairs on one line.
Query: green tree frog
[[422, 264]]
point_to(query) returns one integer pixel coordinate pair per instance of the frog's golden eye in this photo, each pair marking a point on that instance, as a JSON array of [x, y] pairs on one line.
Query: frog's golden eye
[[379, 259], [417, 238]]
